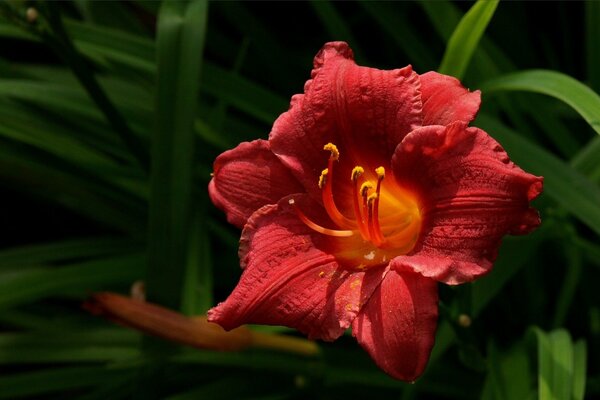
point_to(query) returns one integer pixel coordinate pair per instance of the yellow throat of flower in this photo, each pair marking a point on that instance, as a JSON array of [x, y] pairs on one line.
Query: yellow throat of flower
[[386, 220]]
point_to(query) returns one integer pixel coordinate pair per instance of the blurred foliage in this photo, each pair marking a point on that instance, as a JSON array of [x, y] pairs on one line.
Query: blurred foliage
[[96, 95]]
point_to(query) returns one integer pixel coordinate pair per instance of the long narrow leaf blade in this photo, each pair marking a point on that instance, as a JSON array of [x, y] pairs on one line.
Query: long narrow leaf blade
[[465, 38], [569, 90], [180, 43], [574, 93]]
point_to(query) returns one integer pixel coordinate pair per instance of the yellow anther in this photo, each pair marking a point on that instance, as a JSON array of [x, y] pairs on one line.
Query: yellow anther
[[335, 154], [365, 188], [356, 172], [372, 197], [380, 171], [323, 178]]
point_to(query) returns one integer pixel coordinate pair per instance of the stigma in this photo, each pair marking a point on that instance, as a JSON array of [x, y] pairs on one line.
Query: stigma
[[395, 229]]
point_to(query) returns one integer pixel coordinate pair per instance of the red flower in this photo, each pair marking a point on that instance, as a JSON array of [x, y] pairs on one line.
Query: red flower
[[410, 196]]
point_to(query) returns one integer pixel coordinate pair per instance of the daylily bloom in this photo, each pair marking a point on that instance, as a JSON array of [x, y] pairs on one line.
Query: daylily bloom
[[370, 190]]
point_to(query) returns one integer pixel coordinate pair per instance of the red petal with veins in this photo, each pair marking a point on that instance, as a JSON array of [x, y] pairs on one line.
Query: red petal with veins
[[292, 279], [445, 100], [247, 178], [364, 111], [397, 325], [470, 195]]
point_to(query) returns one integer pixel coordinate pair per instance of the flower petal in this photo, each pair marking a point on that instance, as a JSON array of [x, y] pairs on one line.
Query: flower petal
[[247, 178], [364, 111], [470, 195], [397, 325], [445, 100], [290, 278]]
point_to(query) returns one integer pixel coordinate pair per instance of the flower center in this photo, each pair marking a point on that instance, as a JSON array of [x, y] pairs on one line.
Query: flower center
[[385, 217]]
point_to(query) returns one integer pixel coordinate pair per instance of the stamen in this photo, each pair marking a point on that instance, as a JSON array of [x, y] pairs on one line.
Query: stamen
[[374, 232], [335, 154], [323, 178], [327, 185], [318, 228], [377, 234], [357, 172], [360, 217], [364, 188], [364, 193]]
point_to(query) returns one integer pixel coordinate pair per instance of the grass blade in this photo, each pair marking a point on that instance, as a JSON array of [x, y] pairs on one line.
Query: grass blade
[[33, 284], [545, 365], [562, 368], [67, 250], [61, 43], [573, 270], [572, 92], [561, 365], [579, 369], [514, 254], [586, 160], [509, 374], [180, 43], [57, 380], [466, 36], [198, 282]]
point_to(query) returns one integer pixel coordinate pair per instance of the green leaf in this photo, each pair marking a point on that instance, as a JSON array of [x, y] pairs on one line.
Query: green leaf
[[586, 160], [579, 369], [572, 275], [133, 50], [29, 285], [590, 249], [558, 362], [58, 380], [562, 368], [514, 254], [444, 16], [69, 188], [61, 43], [566, 186], [466, 36], [28, 349], [574, 93], [139, 53], [111, 14], [198, 280], [180, 42], [242, 93], [66, 250], [509, 374], [541, 110]]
